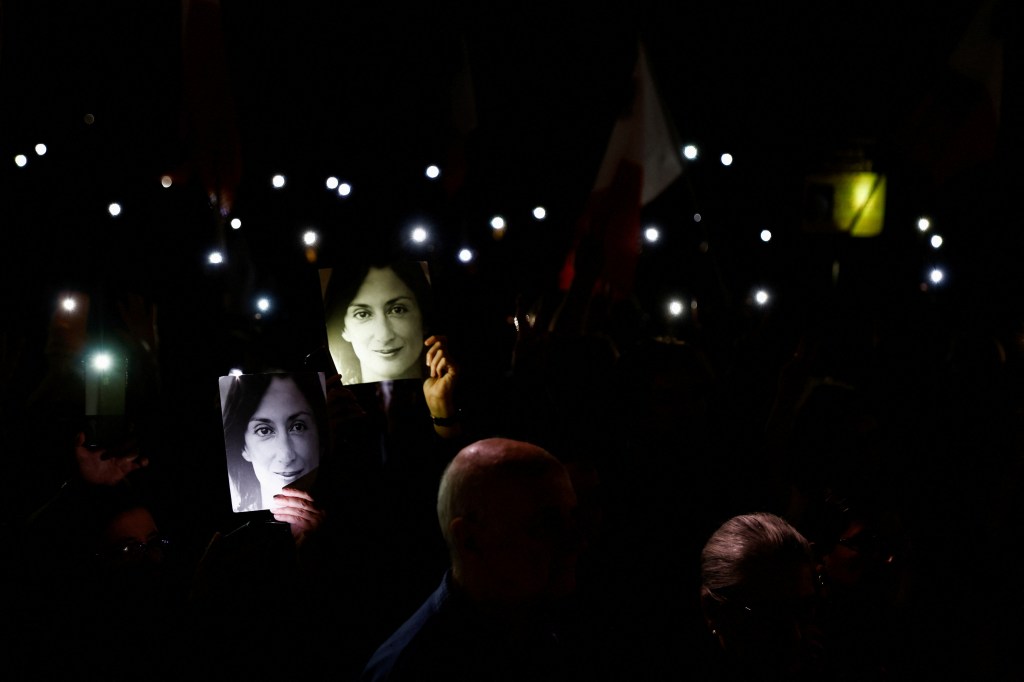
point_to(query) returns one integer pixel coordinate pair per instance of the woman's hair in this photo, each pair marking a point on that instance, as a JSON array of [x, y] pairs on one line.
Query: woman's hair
[[748, 546], [342, 287], [243, 397]]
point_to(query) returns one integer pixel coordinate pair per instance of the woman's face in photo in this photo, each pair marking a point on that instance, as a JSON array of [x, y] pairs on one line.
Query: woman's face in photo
[[281, 438], [384, 324]]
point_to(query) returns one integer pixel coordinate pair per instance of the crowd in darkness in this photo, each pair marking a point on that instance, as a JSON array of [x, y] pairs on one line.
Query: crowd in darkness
[[904, 429], [878, 417]]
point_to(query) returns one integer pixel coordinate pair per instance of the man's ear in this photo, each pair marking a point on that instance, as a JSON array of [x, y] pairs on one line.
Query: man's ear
[[464, 534], [711, 608]]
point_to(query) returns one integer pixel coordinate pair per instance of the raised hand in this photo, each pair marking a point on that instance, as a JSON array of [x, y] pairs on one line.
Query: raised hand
[[103, 466], [439, 386]]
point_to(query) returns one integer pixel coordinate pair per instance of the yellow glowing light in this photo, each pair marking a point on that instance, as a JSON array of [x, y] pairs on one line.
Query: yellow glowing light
[[851, 202]]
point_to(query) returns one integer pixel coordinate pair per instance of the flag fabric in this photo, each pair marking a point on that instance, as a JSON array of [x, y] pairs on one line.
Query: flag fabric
[[640, 162], [955, 127], [209, 122]]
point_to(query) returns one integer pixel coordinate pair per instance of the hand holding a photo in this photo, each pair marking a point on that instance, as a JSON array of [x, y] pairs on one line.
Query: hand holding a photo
[[439, 386], [298, 509]]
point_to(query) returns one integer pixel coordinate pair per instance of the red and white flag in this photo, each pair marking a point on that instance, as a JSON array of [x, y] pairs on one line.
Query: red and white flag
[[640, 162]]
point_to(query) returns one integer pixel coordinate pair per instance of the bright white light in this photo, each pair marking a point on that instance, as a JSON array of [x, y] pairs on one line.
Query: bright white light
[[433, 171], [235, 223], [936, 241], [675, 308], [935, 275], [278, 181], [498, 223], [766, 235], [344, 189], [263, 304], [166, 181], [465, 255], [761, 296], [539, 212], [923, 224], [68, 304], [696, 217], [726, 159], [114, 209], [40, 149], [234, 372], [419, 235], [102, 361], [309, 238], [690, 152], [651, 234], [20, 160], [332, 182], [215, 258]]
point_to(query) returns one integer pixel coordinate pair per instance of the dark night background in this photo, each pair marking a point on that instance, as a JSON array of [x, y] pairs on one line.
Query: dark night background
[[364, 92]]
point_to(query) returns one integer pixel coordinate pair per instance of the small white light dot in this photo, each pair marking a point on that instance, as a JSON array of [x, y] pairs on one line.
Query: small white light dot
[[651, 234], [114, 209], [696, 217], [309, 238], [766, 235], [89, 119], [433, 172], [419, 235], [166, 181], [234, 372], [263, 304], [923, 224], [498, 223], [936, 241], [539, 212], [690, 152], [675, 308], [278, 181], [40, 149], [102, 361], [465, 255], [332, 182], [68, 304], [344, 189], [215, 258], [761, 296], [21, 160], [935, 276], [726, 159], [235, 223]]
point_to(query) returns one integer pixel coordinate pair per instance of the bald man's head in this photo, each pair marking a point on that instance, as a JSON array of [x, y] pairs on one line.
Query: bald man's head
[[506, 511]]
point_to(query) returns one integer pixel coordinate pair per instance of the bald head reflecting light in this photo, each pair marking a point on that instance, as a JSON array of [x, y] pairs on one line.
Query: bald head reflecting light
[[506, 509]]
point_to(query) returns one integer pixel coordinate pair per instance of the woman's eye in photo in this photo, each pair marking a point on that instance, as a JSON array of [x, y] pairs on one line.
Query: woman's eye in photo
[[299, 427], [398, 310], [361, 314], [263, 431]]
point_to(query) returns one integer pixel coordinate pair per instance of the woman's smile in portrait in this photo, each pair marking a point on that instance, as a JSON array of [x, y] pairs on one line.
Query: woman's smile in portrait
[[385, 327], [281, 439]]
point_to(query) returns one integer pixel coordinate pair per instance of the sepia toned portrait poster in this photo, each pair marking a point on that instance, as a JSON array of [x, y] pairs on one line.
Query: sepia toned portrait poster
[[377, 318]]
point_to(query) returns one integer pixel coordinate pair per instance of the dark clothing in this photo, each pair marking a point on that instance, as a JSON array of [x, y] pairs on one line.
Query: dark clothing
[[449, 639]]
